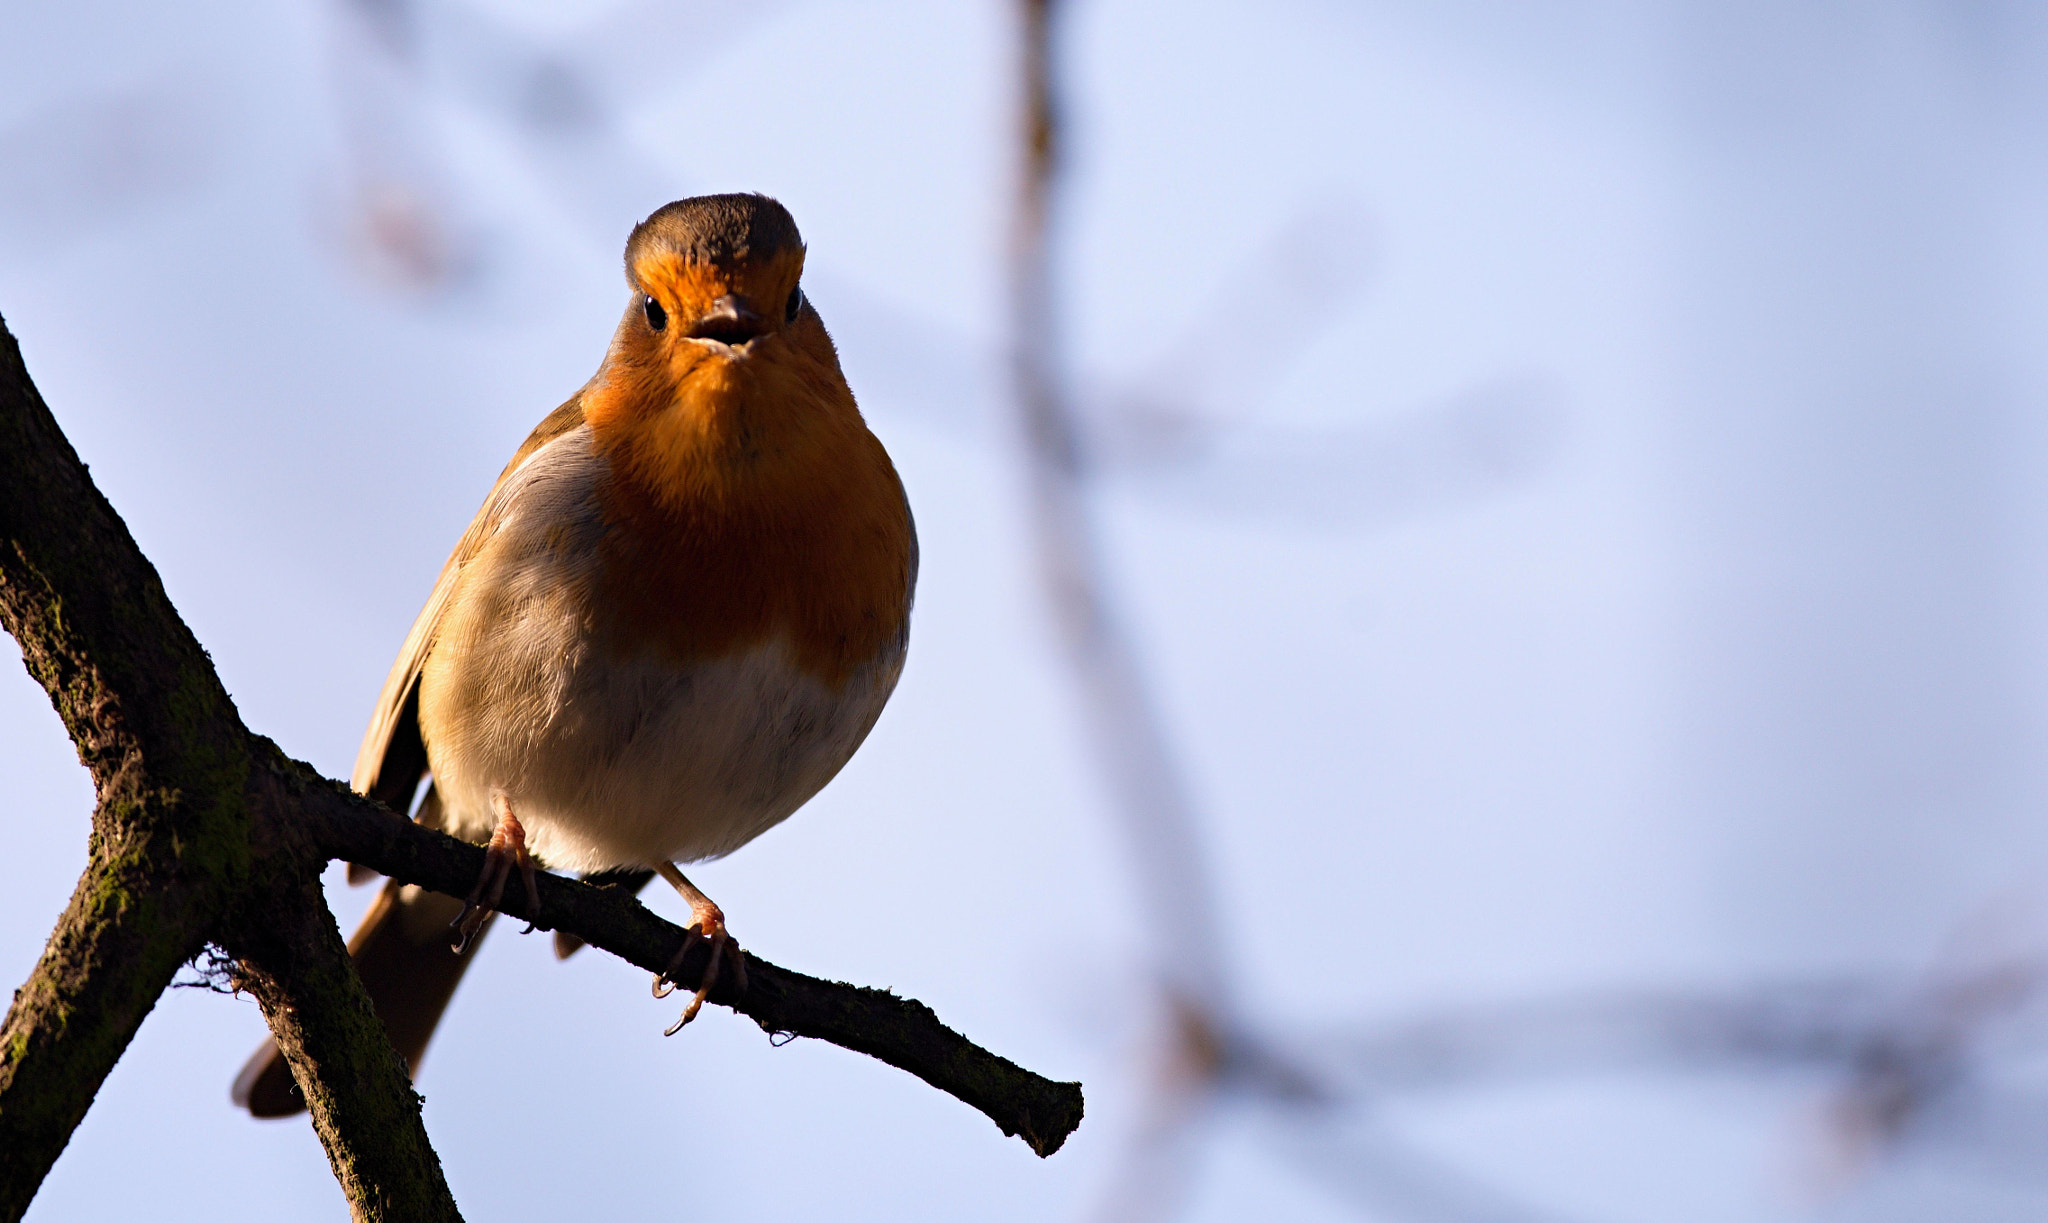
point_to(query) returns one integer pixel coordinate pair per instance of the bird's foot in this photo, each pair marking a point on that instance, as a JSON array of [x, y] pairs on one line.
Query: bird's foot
[[707, 922], [507, 850]]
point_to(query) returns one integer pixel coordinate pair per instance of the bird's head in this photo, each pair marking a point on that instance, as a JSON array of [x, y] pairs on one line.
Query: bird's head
[[713, 276], [719, 353]]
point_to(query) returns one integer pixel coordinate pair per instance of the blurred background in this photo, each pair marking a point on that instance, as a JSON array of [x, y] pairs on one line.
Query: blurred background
[[1556, 489]]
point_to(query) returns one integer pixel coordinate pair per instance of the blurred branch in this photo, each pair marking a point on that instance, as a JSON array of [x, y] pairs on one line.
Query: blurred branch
[[1121, 723], [1789, 1023], [1892, 1040], [1368, 473], [101, 155], [1177, 433], [1900, 1056], [560, 98], [1907, 1059], [206, 833], [1201, 384]]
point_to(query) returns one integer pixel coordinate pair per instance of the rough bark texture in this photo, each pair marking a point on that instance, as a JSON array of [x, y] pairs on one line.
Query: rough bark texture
[[180, 831], [114, 950], [206, 833], [290, 956], [160, 737]]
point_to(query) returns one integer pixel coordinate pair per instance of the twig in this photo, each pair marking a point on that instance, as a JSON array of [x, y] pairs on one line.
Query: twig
[[900, 1031]]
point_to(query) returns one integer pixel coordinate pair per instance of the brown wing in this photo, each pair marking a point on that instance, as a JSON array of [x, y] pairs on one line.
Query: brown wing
[[401, 950], [393, 758]]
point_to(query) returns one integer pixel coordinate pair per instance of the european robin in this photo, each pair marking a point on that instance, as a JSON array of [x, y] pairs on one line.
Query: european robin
[[679, 611]]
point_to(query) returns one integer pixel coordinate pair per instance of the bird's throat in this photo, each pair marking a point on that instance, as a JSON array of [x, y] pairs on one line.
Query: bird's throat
[[685, 436]]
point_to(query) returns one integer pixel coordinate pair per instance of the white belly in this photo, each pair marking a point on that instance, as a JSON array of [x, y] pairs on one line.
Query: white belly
[[618, 762], [641, 762]]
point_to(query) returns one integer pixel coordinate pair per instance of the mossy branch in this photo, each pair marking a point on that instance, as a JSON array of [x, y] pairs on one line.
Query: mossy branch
[[289, 954], [186, 837], [114, 951]]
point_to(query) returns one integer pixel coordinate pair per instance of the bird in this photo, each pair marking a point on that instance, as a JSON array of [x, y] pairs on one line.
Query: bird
[[678, 613]]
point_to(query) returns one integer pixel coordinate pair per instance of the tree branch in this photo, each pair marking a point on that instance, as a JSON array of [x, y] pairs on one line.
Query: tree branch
[[177, 834], [114, 951], [160, 737], [900, 1031], [290, 956]]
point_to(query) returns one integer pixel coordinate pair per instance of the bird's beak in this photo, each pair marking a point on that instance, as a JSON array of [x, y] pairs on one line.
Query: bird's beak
[[731, 320]]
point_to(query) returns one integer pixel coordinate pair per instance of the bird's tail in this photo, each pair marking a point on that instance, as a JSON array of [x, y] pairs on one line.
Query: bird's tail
[[403, 956]]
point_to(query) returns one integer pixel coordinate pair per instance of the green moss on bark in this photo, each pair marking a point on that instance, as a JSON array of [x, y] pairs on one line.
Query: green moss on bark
[[176, 838]]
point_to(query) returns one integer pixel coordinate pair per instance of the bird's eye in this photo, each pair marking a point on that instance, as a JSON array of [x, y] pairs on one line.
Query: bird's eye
[[796, 305], [657, 317]]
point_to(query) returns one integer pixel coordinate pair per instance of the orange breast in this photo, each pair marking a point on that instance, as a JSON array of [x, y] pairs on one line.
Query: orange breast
[[748, 502]]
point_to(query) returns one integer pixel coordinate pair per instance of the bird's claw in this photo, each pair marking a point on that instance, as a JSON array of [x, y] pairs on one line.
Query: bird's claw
[[506, 851], [710, 927]]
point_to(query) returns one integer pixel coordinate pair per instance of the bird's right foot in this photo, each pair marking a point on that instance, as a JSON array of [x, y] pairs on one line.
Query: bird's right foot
[[506, 851]]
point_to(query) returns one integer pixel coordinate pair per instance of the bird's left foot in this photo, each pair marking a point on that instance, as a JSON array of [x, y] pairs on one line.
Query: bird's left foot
[[707, 921], [506, 850]]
